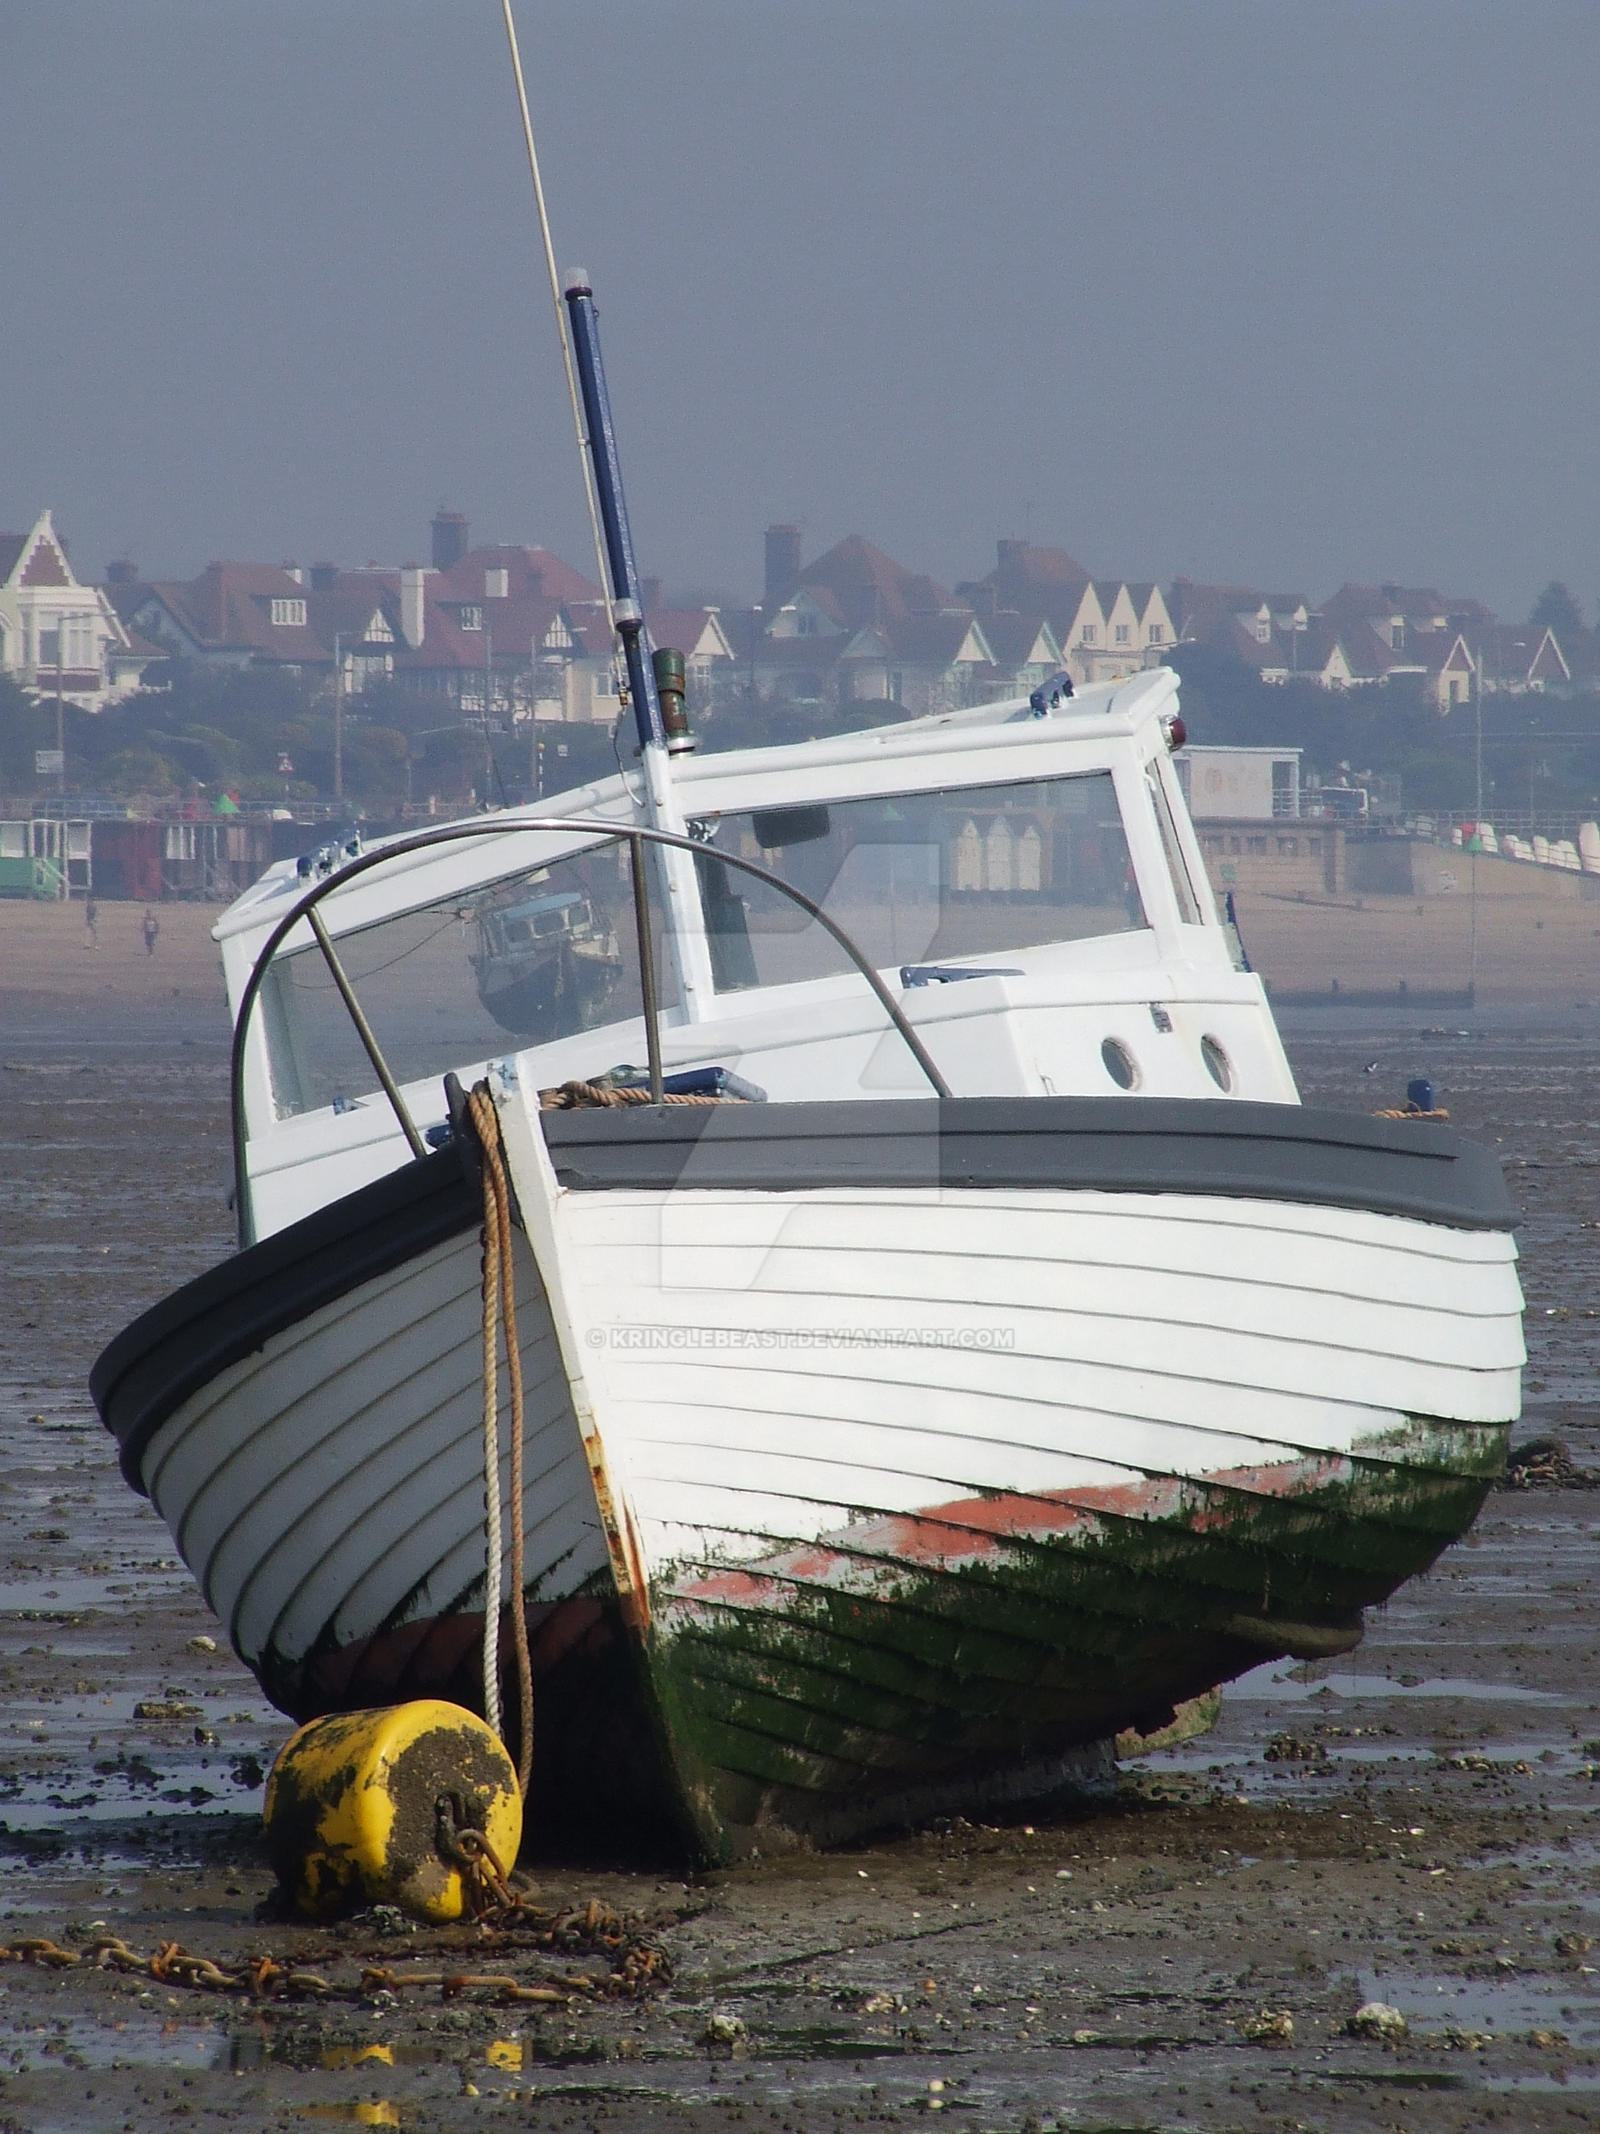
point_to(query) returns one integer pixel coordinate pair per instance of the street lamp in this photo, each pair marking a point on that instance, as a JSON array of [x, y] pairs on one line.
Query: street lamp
[[338, 716]]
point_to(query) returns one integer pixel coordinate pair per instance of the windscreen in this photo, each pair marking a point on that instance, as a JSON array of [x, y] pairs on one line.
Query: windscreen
[[529, 958], [949, 877]]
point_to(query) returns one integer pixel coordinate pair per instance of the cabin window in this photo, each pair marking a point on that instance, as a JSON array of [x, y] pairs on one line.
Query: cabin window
[[921, 878], [1191, 905], [524, 960]]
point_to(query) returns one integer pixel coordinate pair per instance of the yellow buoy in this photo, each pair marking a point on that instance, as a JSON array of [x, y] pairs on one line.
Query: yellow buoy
[[361, 1808]]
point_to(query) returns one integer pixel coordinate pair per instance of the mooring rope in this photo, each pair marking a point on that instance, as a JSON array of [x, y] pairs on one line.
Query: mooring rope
[[500, 1306], [601, 1096], [491, 1451]]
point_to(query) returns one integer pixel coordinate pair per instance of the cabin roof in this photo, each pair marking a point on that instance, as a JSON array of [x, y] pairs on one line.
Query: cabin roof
[[1100, 713]]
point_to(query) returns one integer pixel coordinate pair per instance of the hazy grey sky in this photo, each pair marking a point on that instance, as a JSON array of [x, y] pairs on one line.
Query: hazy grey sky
[[1280, 292]]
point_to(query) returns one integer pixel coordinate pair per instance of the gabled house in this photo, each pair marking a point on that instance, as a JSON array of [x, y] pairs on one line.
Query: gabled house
[[1104, 628], [923, 663], [1519, 658], [856, 627], [585, 687], [57, 637], [232, 615], [1026, 652]]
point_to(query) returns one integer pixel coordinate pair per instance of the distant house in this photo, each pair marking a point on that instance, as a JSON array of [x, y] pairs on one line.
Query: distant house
[[856, 627], [583, 686], [1104, 628], [58, 637], [1519, 658], [1363, 636], [1026, 652], [271, 615], [502, 633]]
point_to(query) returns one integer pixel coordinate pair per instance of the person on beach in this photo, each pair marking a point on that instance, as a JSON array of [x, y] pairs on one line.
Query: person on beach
[[91, 923], [152, 927]]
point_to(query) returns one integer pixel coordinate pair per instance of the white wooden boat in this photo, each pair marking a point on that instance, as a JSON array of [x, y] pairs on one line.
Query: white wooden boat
[[1027, 1362]]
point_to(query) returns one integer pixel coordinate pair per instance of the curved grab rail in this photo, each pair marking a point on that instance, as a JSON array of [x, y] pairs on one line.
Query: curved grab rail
[[634, 834]]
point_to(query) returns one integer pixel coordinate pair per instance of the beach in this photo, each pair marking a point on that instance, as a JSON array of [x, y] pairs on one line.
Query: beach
[[1411, 1824]]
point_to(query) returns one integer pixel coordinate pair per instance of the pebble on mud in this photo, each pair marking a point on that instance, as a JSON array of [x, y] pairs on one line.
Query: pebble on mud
[[1268, 2026], [724, 2033], [1376, 2019], [202, 1644], [165, 1710], [1293, 1749]]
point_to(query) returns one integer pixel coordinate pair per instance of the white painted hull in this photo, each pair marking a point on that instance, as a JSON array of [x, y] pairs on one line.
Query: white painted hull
[[771, 1367], [329, 1489]]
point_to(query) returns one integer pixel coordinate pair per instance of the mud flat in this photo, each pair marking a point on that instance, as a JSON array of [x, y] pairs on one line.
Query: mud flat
[[1532, 950], [1414, 1824]]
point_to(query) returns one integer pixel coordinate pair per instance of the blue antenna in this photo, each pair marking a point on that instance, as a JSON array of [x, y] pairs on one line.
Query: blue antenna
[[625, 601]]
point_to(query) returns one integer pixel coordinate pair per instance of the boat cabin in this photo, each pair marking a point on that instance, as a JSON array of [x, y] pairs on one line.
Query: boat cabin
[[1025, 881]]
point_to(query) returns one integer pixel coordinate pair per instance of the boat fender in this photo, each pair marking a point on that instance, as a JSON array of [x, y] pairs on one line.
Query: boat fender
[[369, 1808]]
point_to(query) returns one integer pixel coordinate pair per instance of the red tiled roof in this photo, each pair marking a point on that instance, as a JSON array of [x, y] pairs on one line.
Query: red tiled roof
[[534, 571], [853, 569], [1036, 581], [681, 628]]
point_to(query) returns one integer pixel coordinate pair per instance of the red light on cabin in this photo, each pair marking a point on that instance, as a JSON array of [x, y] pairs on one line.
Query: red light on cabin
[[1177, 732]]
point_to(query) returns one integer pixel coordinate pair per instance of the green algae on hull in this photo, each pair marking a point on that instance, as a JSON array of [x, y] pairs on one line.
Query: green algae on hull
[[913, 1664]]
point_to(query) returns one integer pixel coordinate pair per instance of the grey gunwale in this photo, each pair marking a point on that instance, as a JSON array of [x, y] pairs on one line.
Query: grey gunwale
[[1191, 1145]]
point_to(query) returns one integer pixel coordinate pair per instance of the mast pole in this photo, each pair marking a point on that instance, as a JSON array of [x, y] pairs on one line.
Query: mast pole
[[685, 929], [626, 605]]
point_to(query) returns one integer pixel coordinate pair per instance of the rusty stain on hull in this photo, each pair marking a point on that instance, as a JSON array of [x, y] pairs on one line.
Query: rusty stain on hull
[[982, 1651], [805, 1689]]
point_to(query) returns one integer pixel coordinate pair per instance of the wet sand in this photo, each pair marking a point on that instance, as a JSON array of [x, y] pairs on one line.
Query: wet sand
[[1131, 1966], [1534, 949]]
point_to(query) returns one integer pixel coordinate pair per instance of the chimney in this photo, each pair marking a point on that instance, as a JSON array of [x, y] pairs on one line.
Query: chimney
[[650, 594], [1010, 573], [449, 539], [783, 566], [324, 577], [122, 572], [290, 570], [412, 611]]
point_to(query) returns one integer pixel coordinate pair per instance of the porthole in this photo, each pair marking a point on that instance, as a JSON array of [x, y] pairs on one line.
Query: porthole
[[1118, 1062], [1218, 1064]]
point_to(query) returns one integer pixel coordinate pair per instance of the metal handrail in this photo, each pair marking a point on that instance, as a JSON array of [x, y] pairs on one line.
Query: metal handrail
[[458, 833]]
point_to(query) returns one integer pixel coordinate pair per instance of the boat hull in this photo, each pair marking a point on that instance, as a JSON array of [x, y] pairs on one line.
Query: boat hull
[[870, 1475]]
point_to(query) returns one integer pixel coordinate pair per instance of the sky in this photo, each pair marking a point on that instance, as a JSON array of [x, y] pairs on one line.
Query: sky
[[1259, 291]]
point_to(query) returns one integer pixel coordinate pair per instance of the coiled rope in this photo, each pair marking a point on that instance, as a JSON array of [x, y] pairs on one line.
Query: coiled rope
[[500, 1307], [603, 1096]]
